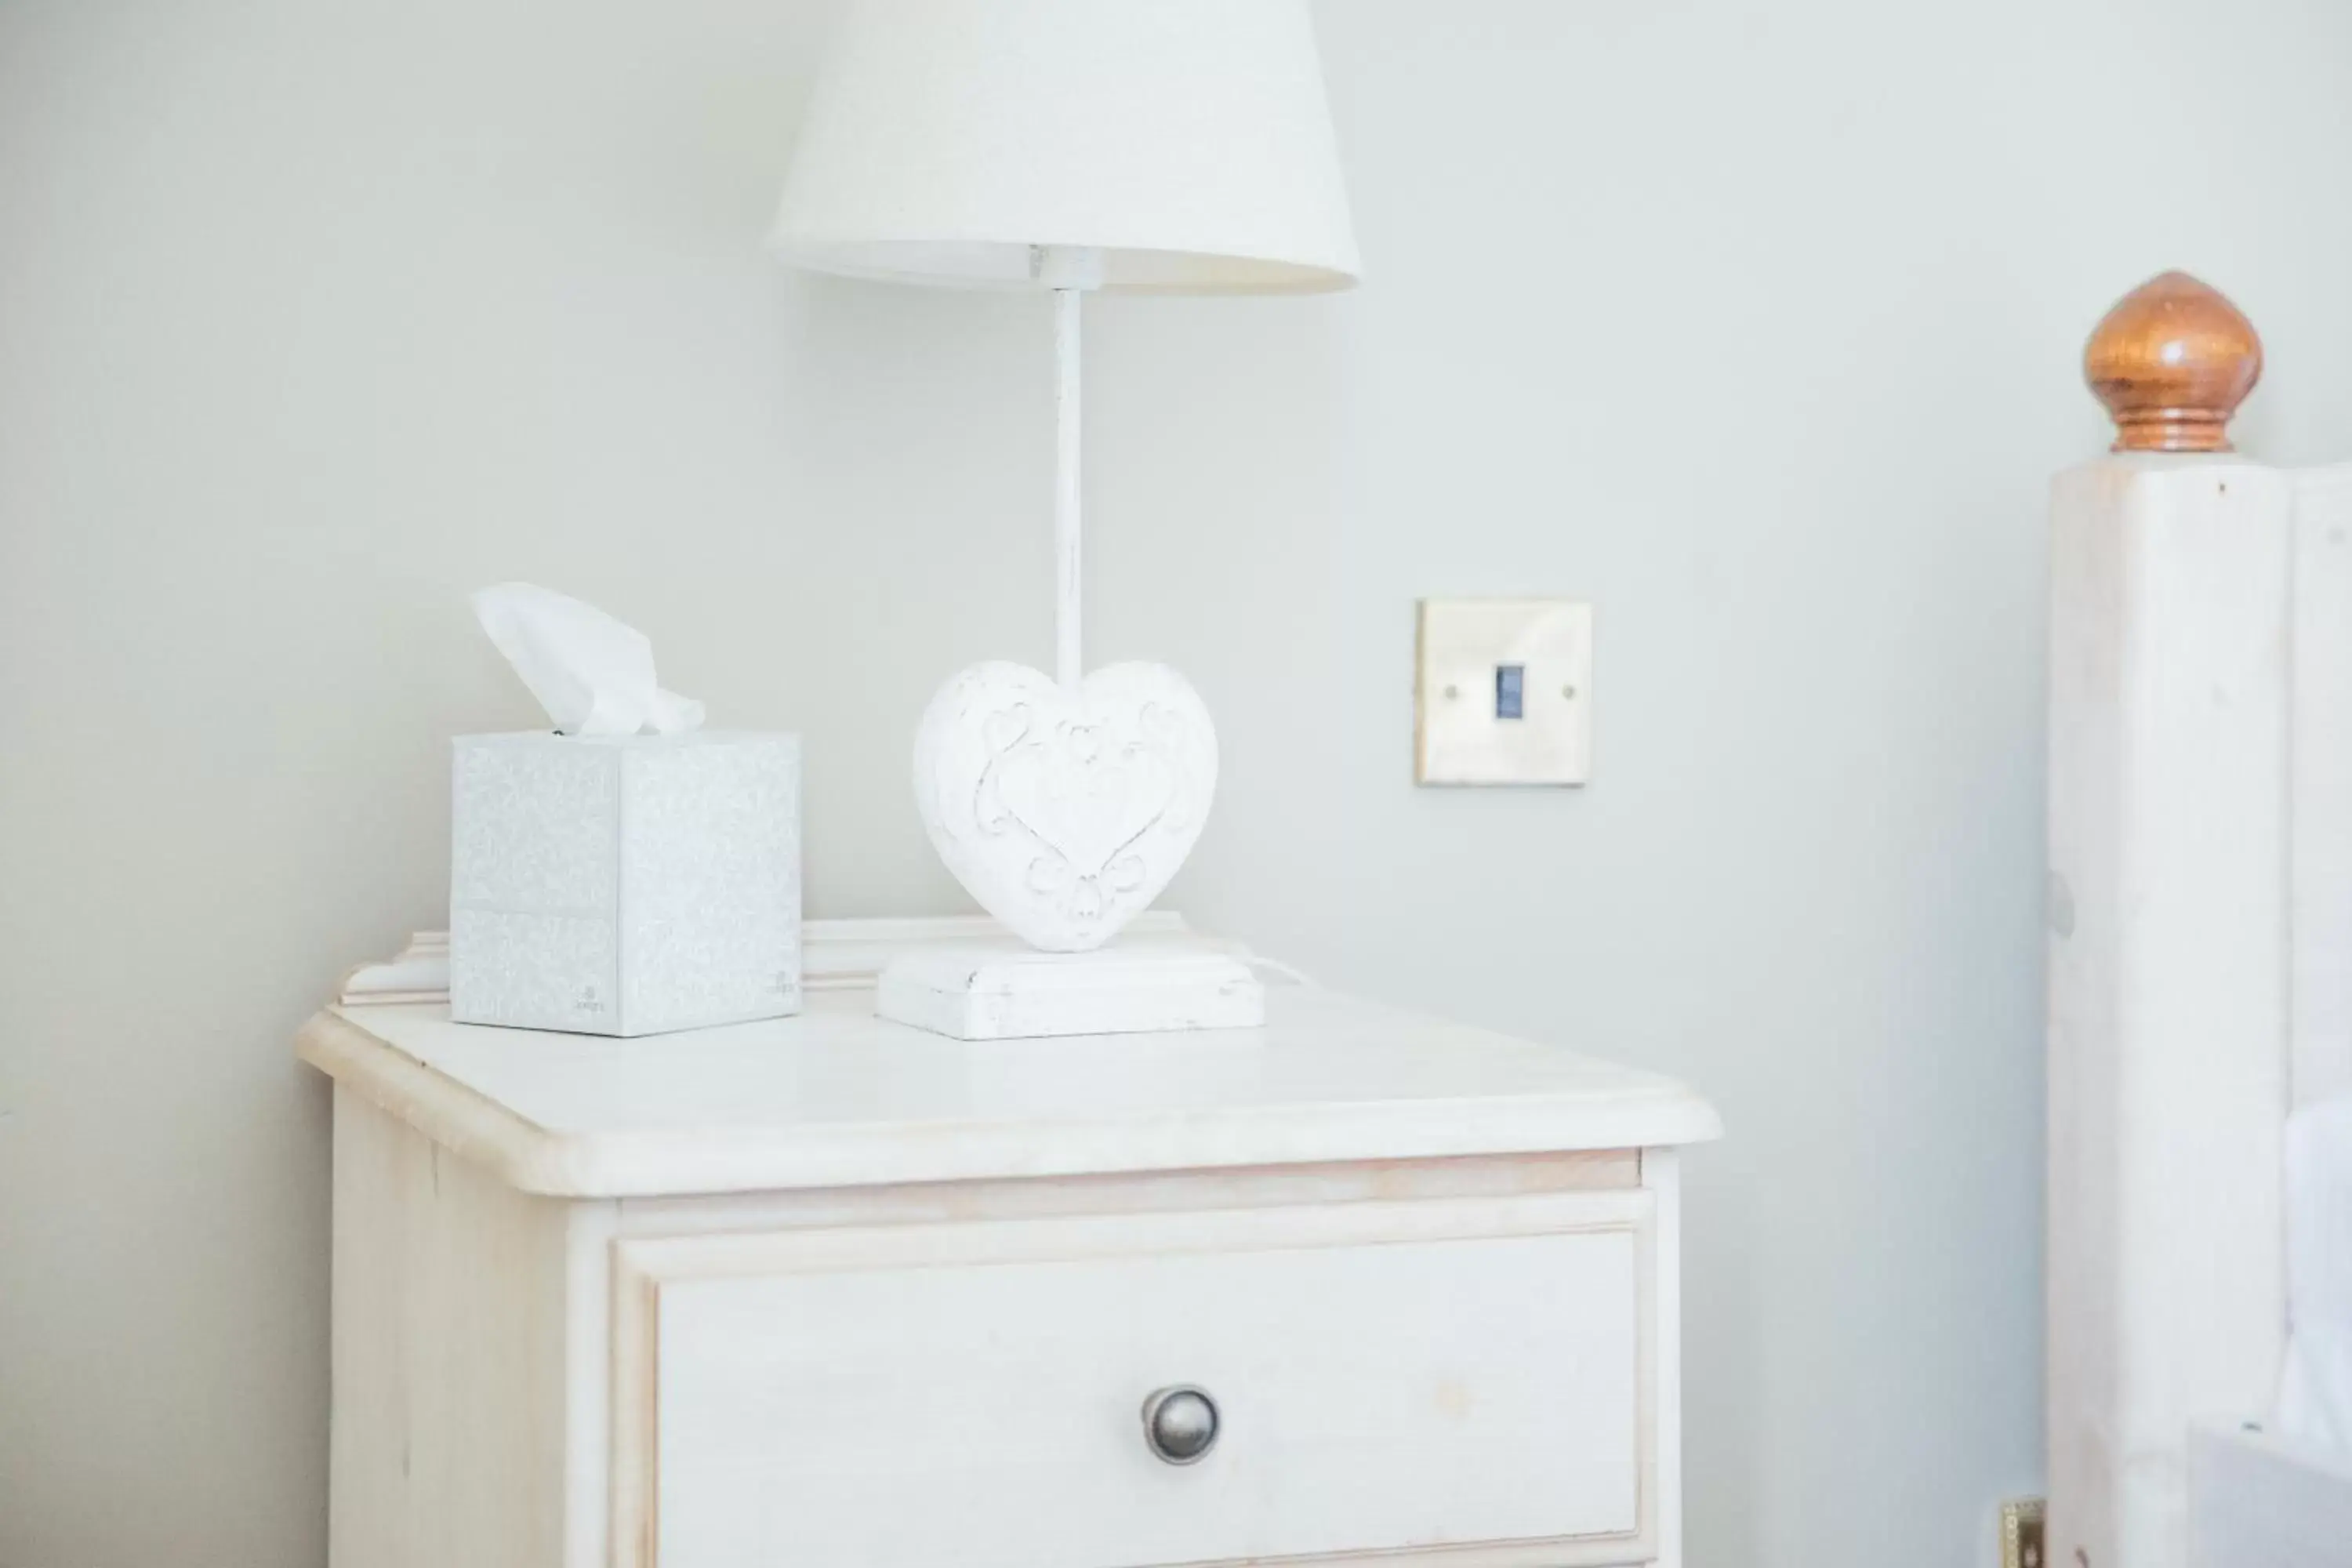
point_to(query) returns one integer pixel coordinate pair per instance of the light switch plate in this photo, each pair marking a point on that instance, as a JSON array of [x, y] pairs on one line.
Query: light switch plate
[[1504, 694]]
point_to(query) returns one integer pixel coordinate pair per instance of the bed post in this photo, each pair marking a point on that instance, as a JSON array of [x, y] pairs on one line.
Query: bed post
[[2169, 831]]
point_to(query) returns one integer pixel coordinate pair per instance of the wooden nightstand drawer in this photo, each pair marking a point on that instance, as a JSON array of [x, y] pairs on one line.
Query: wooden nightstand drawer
[[1387, 1377]]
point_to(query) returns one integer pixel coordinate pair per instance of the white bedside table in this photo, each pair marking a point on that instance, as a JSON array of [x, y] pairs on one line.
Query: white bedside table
[[827, 1292]]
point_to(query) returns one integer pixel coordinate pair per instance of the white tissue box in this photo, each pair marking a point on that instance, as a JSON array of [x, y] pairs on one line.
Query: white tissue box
[[625, 884]]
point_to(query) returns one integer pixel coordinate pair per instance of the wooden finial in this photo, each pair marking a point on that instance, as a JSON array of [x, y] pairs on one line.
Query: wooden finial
[[2172, 362]]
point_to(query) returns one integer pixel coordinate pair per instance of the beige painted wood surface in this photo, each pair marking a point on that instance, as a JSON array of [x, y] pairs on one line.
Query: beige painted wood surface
[[450, 1375], [1464, 1360], [2320, 1059], [2168, 982], [837, 1097], [927, 1395]]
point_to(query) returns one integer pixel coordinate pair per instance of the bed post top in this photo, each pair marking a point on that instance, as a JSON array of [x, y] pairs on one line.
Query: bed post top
[[2172, 362]]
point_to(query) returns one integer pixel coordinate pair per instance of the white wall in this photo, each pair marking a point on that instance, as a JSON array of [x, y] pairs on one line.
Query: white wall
[[1755, 323]]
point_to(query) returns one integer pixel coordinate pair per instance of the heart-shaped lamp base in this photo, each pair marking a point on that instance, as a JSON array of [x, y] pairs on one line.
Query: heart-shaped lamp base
[[1065, 813]]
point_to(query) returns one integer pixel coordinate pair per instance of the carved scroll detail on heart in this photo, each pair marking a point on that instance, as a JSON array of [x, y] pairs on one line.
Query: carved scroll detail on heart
[[1065, 813]]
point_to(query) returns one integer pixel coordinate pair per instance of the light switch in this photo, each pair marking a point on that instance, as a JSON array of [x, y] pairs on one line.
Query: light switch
[[1504, 694]]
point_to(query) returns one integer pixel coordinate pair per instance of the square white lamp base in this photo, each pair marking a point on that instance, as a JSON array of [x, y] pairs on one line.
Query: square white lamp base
[[993, 994]]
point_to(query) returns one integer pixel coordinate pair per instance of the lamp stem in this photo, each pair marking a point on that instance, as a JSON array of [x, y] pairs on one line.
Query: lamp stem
[[1069, 668]]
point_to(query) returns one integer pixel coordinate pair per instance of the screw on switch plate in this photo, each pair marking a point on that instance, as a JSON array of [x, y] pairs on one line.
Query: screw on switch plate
[[2021, 1534]]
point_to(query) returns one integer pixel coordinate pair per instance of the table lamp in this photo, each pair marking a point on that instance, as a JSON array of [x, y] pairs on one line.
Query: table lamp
[[1063, 146]]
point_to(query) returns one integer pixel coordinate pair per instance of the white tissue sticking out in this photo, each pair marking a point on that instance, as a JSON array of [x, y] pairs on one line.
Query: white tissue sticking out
[[592, 675], [2316, 1389]]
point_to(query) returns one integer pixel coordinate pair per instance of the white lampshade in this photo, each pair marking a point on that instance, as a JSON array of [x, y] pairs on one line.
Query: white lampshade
[[1186, 141]]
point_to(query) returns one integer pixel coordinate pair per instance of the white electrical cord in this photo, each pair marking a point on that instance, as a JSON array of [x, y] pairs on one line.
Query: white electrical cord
[[1276, 966]]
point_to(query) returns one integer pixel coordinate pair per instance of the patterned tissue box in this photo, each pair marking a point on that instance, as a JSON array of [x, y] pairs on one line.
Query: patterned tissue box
[[625, 885]]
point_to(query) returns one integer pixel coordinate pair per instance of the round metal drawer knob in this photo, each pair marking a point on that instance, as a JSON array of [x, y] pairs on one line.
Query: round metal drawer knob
[[1180, 1424]]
